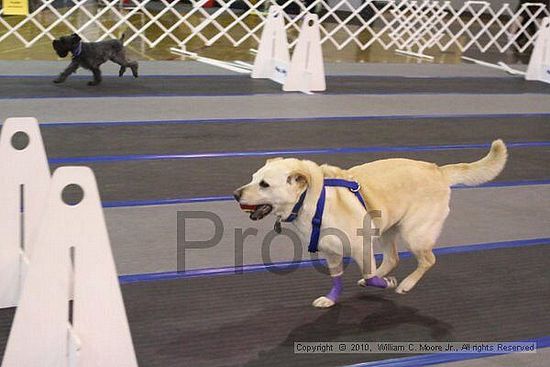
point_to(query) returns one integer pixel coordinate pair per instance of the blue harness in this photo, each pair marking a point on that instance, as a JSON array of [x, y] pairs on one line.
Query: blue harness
[[318, 217]]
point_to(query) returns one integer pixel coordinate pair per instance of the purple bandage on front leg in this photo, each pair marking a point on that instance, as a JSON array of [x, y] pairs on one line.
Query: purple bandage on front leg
[[377, 282], [336, 290]]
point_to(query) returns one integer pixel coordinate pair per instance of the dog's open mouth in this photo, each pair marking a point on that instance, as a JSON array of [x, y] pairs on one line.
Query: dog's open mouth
[[257, 212]]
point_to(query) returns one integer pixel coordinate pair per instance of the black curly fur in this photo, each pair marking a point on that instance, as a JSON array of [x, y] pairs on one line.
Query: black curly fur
[[90, 55]]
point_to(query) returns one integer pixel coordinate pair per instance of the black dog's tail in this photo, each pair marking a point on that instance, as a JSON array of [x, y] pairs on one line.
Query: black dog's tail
[[122, 37]]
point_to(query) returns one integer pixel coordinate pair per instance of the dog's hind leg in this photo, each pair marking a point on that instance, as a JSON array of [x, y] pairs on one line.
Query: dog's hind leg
[[426, 259], [134, 66], [390, 261], [336, 269], [73, 66], [120, 58], [97, 77], [421, 235]]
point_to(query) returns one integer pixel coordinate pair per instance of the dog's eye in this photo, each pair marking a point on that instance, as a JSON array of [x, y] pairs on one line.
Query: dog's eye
[[264, 184]]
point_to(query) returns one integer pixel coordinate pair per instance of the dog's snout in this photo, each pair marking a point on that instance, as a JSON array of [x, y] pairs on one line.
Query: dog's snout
[[237, 194]]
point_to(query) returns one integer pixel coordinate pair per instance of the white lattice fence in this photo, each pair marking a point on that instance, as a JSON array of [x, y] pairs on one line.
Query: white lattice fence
[[413, 26]]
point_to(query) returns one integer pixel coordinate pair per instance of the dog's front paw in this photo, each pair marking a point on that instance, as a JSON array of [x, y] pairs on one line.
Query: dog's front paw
[[58, 80], [91, 84], [323, 302]]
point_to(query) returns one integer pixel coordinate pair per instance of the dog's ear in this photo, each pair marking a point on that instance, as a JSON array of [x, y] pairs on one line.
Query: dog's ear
[[76, 37], [298, 177]]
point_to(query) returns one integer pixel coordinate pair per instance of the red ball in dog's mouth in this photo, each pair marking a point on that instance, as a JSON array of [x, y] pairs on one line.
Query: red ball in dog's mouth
[[257, 211]]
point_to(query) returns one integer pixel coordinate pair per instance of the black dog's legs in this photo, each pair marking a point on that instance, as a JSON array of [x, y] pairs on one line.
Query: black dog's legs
[[97, 77], [122, 70], [73, 66], [134, 66], [124, 63]]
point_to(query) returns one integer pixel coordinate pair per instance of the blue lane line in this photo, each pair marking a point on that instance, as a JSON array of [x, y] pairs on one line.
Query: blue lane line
[[505, 184], [205, 199], [267, 153], [135, 278], [292, 119], [130, 203], [437, 358]]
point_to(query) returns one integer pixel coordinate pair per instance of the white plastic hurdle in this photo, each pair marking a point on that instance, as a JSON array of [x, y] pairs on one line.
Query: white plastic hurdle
[[72, 250], [539, 64], [52, 253], [24, 183], [273, 59], [305, 72]]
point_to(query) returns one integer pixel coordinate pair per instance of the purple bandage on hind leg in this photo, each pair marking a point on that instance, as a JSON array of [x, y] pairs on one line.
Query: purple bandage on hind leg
[[377, 282], [336, 290]]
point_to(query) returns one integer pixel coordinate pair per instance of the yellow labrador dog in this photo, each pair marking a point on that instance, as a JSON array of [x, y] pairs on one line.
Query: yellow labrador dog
[[411, 196]]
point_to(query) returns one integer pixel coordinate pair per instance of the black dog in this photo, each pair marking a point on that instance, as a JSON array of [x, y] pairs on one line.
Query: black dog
[[90, 55]]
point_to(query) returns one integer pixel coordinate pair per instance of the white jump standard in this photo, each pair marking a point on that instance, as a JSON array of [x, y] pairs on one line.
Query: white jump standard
[[72, 256], [24, 184]]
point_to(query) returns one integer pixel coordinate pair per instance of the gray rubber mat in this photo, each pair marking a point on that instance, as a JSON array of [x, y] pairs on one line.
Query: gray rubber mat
[[179, 67], [42, 87], [144, 238], [168, 179], [290, 105], [254, 319], [109, 139]]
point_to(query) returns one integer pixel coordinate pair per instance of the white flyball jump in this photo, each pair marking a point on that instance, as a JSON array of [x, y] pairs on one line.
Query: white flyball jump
[[305, 72], [539, 65], [24, 184], [71, 250], [51, 253], [273, 59]]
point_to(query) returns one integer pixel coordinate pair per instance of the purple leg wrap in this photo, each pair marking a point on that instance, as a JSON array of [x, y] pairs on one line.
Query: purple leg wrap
[[336, 290], [377, 282]]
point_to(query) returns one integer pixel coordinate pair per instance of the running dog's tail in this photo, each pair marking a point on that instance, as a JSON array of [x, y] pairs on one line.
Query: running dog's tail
[[122, 38], [484, 170]]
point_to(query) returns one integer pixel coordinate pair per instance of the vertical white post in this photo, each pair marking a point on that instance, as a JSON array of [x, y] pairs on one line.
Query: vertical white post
[[24, 183], [307, 70], [539, 65], [43, 334], [272, 59]]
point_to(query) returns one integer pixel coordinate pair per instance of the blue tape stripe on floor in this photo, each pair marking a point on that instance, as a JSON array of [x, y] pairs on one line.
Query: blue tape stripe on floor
[[505, 184], [431, 359], [287, 152], [204, 199], [291, 119], [130, 203], [135, 278]]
